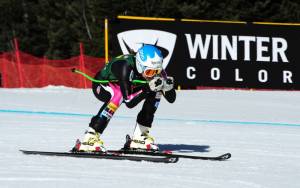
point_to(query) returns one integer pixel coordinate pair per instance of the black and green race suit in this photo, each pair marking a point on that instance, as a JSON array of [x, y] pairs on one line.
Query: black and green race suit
[[121, 71]]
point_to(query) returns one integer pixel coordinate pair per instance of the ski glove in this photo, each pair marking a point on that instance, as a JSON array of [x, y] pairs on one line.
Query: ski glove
[[156, 84], [168, 84]]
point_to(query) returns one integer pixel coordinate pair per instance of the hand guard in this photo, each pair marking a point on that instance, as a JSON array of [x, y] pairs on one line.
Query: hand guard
[[168, 84], [156, 84]]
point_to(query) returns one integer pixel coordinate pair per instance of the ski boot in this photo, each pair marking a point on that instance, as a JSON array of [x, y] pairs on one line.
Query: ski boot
[[141, 140], [91, 142]]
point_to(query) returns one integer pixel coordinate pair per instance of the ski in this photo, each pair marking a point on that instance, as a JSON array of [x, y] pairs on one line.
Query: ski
[[107, 155], [127, 150], [170, 154]]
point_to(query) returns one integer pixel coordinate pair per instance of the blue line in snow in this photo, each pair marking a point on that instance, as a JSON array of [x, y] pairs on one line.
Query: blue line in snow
[[43, 113], [160, 119]]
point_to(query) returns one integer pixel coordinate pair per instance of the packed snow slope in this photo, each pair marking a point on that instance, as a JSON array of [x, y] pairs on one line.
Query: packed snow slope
[[260, 128]]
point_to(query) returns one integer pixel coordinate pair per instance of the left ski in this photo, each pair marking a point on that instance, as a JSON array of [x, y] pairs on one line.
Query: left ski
[[112, 156]]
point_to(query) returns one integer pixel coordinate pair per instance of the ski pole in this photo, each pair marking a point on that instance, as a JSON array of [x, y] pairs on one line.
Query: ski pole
[[104, 81]]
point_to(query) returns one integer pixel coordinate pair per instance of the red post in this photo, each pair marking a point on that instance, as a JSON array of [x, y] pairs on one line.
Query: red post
[[43, 72], [81, 64], [3, 72], [17, 54]]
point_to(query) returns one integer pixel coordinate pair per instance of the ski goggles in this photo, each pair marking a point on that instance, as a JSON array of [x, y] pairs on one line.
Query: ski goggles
[[151, 72]]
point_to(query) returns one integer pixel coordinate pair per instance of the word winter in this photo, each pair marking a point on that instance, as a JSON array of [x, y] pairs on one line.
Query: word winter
[[223, 47]]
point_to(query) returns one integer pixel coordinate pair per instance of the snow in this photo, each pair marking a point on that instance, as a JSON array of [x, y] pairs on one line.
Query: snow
[[260, 128]]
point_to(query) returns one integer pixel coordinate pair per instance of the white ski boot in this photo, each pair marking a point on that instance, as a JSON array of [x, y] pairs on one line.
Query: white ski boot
[[91, 142], [142, 140]]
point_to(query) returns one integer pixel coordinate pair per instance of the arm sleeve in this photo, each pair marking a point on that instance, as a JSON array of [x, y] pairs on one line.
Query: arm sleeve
[[122, 72], [170, 96]]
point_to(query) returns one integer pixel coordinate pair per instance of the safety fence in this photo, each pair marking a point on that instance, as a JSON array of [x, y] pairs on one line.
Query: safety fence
[[19, 69]]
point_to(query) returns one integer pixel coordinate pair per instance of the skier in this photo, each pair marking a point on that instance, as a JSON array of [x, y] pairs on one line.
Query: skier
[[146, 65]]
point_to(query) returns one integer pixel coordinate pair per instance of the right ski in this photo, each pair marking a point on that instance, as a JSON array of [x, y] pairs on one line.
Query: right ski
[[168, 154], [127, 150]]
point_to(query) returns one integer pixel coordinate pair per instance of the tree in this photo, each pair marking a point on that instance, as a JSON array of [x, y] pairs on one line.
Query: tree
[[55, 28]]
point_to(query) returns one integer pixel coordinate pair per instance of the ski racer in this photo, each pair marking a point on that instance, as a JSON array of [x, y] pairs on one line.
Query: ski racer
[[145, 65]]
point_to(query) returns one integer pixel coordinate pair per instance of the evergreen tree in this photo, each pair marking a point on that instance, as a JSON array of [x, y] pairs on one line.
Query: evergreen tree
[[55, 28]]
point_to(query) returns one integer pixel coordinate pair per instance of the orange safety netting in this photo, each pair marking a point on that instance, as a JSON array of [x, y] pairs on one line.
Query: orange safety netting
[[19, 69]]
